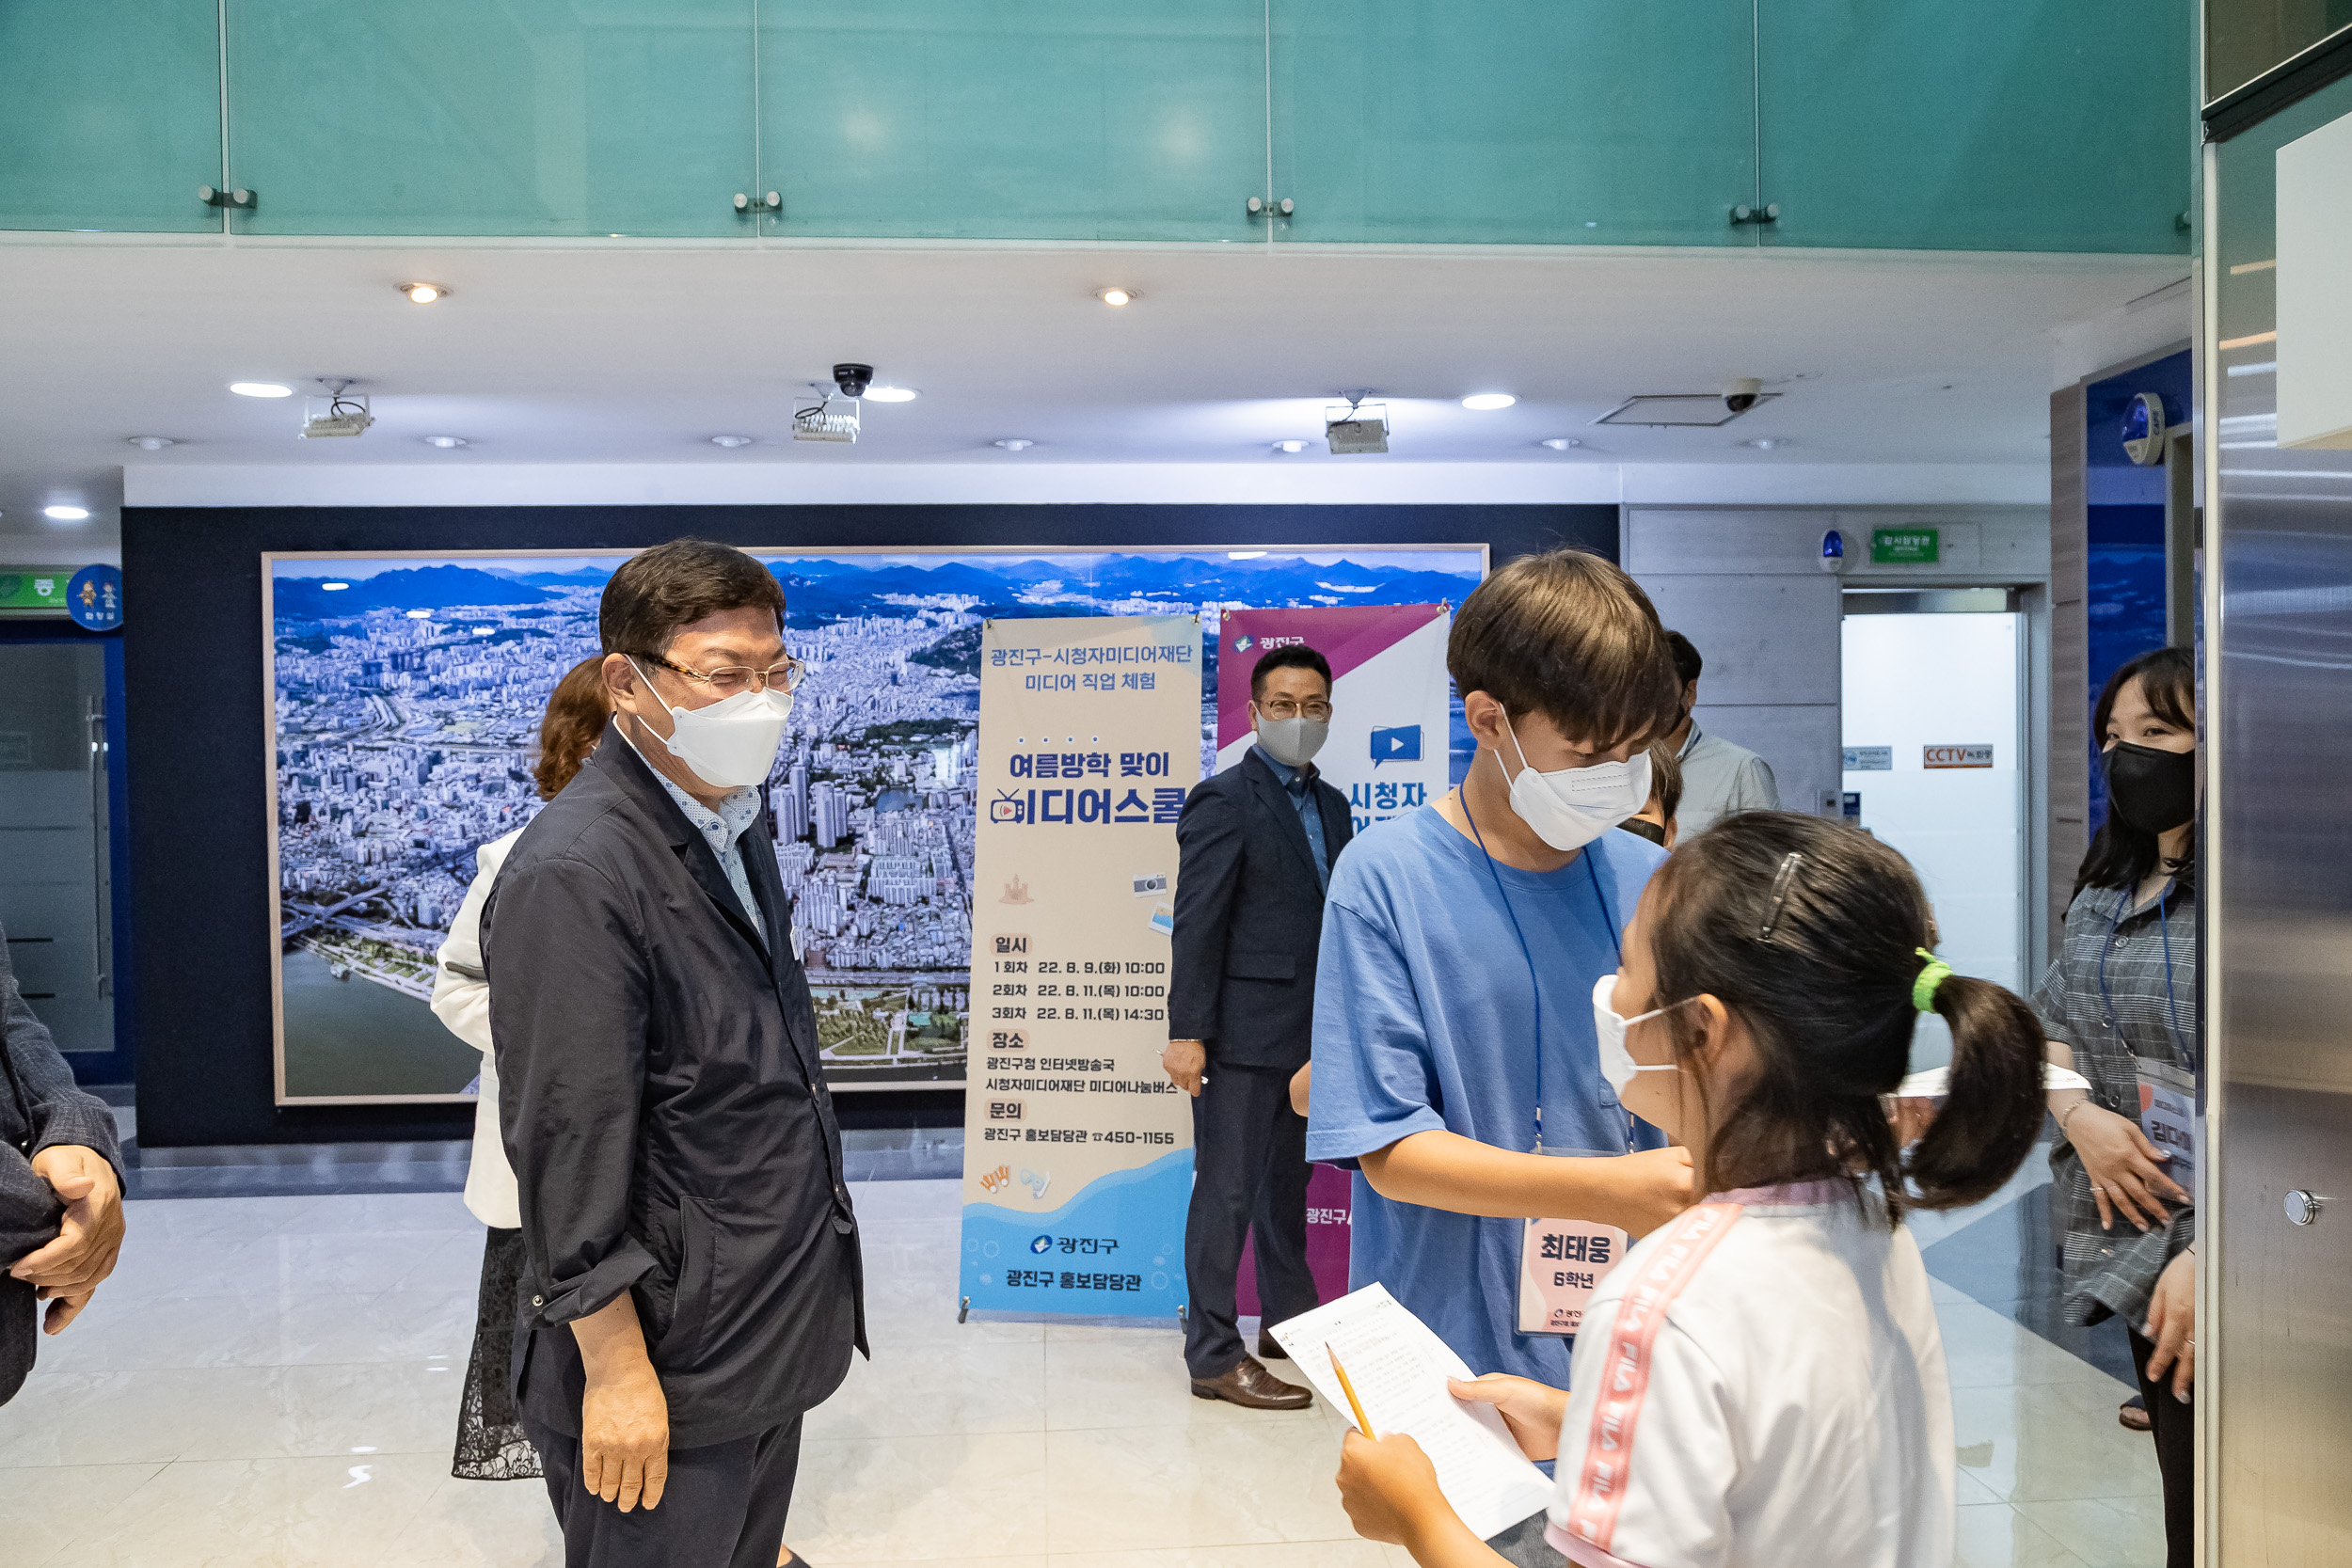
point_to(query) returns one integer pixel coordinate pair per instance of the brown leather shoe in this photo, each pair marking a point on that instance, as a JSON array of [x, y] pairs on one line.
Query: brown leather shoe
[[1269, 1349], [1252, 1387]]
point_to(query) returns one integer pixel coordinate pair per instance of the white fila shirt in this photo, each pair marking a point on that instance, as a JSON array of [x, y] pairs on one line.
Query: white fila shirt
[[1760, 1383]]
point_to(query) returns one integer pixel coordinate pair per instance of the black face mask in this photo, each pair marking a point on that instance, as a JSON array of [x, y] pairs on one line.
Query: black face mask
[[2155, 791], [1650, 830]]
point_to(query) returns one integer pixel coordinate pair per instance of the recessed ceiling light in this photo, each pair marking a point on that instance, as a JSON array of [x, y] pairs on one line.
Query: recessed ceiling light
[[730, 442], [1014, 443], [63, 513], [444, 442], [334, 587], [1116, 297], [151, 443], [1766, 443], [1483, 402], [1560, 443], [260, 390], [891, 394], [1290, 446], [423, 294]]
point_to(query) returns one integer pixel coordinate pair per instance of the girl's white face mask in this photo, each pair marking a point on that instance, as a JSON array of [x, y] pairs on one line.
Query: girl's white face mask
[[1617, 1063], [1573, 806], [732, 743]]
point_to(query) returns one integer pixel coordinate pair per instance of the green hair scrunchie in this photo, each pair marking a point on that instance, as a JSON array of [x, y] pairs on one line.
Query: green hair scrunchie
[[1934, 975]]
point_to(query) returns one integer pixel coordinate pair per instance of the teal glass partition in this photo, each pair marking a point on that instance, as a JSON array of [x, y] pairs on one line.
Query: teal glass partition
[[2053, 125], [1517, 121], [109, 115], [531, 116], [1016, 120]]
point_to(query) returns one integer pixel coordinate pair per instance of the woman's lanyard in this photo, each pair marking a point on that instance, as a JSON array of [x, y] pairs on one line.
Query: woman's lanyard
[[2173, 1005], [1535, 984]]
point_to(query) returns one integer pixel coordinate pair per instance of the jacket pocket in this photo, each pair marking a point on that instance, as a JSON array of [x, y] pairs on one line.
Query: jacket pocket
[[1260, 966], [691, 1303]]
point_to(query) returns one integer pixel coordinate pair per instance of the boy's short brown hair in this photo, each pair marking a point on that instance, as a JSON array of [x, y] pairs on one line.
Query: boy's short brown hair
[[1569, 635]]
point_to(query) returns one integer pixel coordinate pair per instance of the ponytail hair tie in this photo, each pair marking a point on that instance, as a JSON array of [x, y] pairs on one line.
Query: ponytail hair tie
[[1934, 975]]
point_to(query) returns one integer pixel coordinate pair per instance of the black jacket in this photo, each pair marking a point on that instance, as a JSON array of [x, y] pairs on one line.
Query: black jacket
[[660, 1099], [39, 1107], [1249, 916]]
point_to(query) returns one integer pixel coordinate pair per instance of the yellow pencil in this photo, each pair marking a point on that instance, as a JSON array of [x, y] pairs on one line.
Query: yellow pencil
[[1349, 1389]]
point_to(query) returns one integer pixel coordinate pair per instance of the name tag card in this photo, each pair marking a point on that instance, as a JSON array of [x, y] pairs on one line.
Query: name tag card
[[1561, 1261], [2167, 1113]]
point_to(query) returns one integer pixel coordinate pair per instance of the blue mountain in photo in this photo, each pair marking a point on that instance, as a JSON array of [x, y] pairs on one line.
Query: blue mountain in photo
[[407, 588]]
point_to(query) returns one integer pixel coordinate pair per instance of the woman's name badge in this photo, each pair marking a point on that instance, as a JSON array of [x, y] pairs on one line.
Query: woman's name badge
[[2168, 1115], [1561, 1261]]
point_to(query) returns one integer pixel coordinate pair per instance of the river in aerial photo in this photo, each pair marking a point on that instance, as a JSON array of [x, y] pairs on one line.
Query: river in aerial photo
[[353, 1036]]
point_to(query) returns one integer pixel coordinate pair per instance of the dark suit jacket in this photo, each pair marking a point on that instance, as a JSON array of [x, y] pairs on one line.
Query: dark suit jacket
[[39, 1107], [1249, 916], [660, 1099]]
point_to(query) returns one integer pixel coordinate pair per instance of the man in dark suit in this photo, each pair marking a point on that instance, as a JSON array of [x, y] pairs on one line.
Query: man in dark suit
[[1255, 847], [692, 1279]]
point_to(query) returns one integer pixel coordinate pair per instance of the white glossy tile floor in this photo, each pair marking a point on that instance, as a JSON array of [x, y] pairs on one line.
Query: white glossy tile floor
[[273, 1382]]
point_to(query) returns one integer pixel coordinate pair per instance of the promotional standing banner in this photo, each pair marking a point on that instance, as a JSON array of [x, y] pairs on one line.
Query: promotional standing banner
[[1078, 1151], [1388, 747], [1386, 753]]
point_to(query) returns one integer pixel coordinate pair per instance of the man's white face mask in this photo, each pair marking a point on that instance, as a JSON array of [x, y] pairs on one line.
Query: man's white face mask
[[732, 743], [1572, 806]]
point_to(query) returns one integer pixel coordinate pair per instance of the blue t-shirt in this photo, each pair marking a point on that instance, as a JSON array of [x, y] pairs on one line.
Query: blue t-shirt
[[1426, 1020]]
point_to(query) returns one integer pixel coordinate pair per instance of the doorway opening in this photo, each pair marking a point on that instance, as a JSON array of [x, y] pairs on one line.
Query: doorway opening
[[56, 843], [1935, 759]]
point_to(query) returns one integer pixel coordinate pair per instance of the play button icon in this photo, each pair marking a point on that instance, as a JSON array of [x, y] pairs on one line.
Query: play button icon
[[1401, 743]]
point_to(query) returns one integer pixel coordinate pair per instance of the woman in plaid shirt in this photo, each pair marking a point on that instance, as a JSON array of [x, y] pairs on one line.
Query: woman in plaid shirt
[[2120, 1007]]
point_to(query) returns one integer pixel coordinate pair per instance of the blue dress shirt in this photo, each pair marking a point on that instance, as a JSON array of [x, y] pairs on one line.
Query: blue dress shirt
[[1296, 780]]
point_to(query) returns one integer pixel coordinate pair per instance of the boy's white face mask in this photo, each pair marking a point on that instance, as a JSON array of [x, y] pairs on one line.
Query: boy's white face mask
[[1571, 807]]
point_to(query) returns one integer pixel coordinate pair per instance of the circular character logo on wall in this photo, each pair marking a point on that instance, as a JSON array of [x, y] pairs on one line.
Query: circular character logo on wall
[[94, 598]]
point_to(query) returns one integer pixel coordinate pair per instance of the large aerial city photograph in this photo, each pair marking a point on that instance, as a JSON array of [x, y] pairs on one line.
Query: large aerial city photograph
[[407, 692]]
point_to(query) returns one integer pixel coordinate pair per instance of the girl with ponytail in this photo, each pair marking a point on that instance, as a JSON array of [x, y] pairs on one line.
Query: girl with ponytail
[[1762, 1380]]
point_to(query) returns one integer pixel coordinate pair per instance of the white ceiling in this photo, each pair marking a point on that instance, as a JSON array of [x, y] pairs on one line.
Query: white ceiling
[[557, 354]]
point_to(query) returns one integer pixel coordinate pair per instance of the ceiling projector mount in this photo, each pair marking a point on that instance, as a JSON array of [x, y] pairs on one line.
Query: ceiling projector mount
[[343, 416]]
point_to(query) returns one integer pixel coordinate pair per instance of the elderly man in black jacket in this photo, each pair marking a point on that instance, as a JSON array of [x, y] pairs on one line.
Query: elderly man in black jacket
[[60, 1185], [1254, 850], [693, 1279]]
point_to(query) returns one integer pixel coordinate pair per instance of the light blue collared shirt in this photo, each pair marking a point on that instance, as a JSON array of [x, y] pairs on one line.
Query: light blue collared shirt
[[720, 830], [1297, 782]]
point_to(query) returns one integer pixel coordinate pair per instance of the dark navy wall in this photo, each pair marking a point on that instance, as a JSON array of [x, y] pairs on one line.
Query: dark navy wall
[[2124, 573], [198, 739]]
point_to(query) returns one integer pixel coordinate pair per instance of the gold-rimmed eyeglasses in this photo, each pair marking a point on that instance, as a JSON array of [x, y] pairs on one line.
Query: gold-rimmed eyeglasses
[[730, 679], [1282, 707]]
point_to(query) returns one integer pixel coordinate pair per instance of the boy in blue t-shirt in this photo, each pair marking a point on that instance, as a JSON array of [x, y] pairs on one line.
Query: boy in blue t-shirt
[[1460, 947]]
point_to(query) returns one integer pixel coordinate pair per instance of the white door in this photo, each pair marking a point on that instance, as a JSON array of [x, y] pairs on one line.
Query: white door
[[1933, 748]]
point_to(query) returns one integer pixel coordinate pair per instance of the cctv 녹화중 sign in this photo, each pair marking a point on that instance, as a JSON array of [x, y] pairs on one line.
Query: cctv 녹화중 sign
[[1905, 547], [1956, 756]]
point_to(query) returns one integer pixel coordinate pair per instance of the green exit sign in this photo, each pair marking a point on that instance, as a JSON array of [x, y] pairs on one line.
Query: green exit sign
[[1903, 546], [34, 587]]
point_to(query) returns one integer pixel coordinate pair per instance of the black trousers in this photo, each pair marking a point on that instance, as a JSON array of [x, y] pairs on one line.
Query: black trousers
[[2174, 1425], [1248, 1177], [722, 1507]]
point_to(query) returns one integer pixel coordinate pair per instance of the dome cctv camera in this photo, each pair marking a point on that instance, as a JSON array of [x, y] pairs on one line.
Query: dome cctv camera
[[853, 379], [1742, 394]]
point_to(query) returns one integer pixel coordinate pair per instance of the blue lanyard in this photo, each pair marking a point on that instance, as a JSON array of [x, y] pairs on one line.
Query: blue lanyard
[[1535, 984], [2173, 1004]]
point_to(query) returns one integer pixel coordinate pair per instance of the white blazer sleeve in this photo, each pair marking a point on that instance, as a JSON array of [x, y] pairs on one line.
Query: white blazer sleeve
[[461, 1000]]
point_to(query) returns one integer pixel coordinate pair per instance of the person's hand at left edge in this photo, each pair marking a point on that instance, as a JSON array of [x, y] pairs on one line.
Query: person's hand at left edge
[[68, 1269]]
